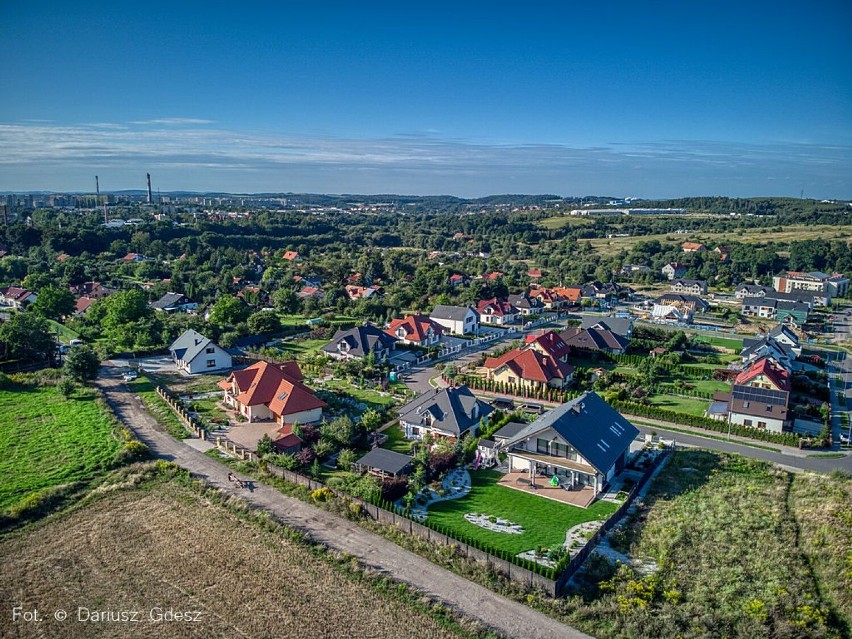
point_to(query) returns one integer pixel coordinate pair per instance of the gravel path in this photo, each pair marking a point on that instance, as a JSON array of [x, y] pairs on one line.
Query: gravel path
[[503, 615]]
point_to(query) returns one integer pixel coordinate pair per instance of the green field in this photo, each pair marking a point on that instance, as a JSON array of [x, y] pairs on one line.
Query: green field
[[65, 334], [372, 398], [146, 389], [47, 441], [545, 521], [301, 347], [686, 405], [397, 441], [722, 342]]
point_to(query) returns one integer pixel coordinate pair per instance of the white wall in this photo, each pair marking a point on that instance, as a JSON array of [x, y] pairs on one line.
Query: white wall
[[772, 425], [303, 417], [198, 365]]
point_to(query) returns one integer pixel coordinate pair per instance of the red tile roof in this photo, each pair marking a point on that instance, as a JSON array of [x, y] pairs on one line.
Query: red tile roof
[[498, 307], [83, 304], [570, 293], [768, 367], [534, 272], [290, 255], [415, 326], [552, 344], [279, 388], [531, 365]]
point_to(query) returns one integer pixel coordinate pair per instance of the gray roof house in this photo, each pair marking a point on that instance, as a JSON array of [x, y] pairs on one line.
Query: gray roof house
[[583, 443], [193, 353], [171, 302], [619, 325], [447, 412], [460, 320], [358, 342]]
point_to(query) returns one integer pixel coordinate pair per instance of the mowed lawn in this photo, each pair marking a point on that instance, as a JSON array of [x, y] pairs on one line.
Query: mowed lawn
[[47, 440], [686, 405], [545, 521], [396, 440]]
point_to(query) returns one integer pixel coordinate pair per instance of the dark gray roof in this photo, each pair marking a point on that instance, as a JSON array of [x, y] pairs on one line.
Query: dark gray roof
[[509, 430], [718, 408], [780, 329], [598, 432], [385, 460], [752, 346], [189, 345], [792, 296], [618, 325], [486, 443], [361, 340], [170, 299], [454, 313], [525, 301], [454, 410]]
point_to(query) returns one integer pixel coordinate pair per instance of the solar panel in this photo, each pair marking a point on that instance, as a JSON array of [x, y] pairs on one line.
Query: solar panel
[[763, 395]]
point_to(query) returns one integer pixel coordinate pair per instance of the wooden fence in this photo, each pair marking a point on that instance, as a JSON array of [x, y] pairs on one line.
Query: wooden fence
[[190, 423]]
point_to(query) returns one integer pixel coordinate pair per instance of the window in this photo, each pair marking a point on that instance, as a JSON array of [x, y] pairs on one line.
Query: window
[[761, 424], [746, 422], [541, 446], [211, 363], [210, 350]]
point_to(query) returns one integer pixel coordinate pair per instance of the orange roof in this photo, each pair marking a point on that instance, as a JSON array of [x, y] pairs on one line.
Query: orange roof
[[279, 388], [531, 365], [534, 272], [768, 367], [570, 293], [692, 246], [552, 344], [415, 326], [83, 304], [290, 255], [495, 275]]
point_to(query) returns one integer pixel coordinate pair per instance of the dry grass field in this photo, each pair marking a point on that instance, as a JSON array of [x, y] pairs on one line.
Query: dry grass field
[[165, 547]]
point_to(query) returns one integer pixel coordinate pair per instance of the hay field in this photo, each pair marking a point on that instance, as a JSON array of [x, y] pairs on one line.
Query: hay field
[[167, 547]]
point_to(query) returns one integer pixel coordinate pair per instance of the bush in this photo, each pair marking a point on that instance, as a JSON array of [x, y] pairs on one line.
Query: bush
[[66, 386], [133, 451], [393, 489], [324, 448], [265, 446], [346, 459]]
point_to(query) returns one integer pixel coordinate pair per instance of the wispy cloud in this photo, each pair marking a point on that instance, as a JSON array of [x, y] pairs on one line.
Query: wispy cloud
[[212, 158], [173, 122]]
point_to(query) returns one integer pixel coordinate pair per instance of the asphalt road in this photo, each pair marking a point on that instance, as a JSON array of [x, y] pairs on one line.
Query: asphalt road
[[507, 617]]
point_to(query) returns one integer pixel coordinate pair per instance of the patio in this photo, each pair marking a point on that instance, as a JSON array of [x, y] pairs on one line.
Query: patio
[[520, 480]]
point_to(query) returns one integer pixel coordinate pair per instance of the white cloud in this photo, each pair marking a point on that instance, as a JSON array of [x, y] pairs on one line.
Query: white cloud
[[173, 121]]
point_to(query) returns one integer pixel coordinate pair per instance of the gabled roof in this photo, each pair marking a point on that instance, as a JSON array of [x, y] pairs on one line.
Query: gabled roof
[[496, 307], [277, 387], [524, 300], [618, 325], [359, 341], [170, 300], [753, 347], [570, 293], [768, 367], [552, 344], [83, 305], [454, 410], [415, 326], [188, 346], [781, 330], [595, 429], [454, 313], [531, 365], [290, 255], [593, 339], [509, 430]]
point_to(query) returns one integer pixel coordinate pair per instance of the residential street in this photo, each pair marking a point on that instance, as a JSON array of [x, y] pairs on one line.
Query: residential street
[[505, 616]]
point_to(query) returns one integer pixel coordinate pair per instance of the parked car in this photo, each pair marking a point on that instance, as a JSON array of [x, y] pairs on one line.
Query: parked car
[[129, 376], [844, 439], [76, 342]]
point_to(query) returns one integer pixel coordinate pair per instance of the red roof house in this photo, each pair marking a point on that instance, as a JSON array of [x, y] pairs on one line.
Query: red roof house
[[418, 330]]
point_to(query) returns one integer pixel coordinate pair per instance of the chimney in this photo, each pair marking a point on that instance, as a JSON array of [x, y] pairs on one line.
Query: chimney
[[150, 199]]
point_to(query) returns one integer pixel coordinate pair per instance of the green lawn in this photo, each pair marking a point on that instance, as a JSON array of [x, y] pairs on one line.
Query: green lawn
[[302, 347], [46, 441], [65, 334], [161, 411], [686, 405], [396, 440], [544, 520], [703, 385], [372, 398]]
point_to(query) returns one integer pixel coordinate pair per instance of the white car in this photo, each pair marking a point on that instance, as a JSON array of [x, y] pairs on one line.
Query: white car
[[129, 376]]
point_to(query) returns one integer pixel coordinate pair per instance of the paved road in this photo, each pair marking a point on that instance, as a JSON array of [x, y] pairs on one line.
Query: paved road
[[503, 615]]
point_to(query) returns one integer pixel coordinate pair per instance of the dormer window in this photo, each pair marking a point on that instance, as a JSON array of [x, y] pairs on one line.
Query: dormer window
[[400, 333]]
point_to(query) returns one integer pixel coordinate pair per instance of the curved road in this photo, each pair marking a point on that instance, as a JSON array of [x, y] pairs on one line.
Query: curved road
[[494, 611]]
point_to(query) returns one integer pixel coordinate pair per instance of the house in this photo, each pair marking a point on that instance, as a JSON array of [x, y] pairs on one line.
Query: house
[[362, 292], [493, 276], [760, 395], [530, 368], [93, 290], [456, 279], [630, 269], [291, 256], [272, 392], [526, 304], [384, 463], [823, 285], [310, 292], [459, 320], [448, 412], [676, 307], [622, 326], [134, 257], [693, 287], [534, 273], [17, 297], [82, 305], [549, 343], [796, 295], [583, 443], [724, 253], [594, 340], [174, 302], [751, 290], [755, 349], [417, 330], [570, 294], [670, 314], [778, 310], [507, 432], [549, 298], [673, 270], [194, 353], [497, 312], [358, 342], [692, 247]]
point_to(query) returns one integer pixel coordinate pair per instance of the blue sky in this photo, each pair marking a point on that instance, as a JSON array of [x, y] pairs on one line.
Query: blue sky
[[650, 99]]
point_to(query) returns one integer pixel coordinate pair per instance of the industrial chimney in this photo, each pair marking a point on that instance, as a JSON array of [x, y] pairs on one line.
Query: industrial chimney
[[150, 199]]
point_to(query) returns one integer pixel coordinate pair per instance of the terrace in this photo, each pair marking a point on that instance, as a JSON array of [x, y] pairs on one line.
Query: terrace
[[581, 497]]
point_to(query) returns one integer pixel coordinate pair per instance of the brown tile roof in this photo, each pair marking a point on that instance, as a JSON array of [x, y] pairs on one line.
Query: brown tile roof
[[768, 367], [415, 327], [531, 365], [279, 388]]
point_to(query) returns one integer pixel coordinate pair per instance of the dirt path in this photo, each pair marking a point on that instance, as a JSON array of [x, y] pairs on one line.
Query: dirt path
[[503, 615]]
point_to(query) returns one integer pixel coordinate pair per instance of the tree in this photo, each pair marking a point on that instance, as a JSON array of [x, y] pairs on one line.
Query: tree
[[371, 419], [341, 430], [265, 446], [264, 322], [346, 459], [81, 363], [229, 310], [285, 301], [54, 302], [27, 336], [66, 387]]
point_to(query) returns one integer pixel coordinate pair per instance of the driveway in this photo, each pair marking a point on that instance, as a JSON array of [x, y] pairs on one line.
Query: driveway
[[503, 615]]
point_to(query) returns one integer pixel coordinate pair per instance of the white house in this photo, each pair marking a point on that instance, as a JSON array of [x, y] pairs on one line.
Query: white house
[[459, 320], [194, 353]]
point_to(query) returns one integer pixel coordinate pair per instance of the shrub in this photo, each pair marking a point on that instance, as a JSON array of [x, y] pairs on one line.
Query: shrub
[[346, 459], [324, 448], [66, 386], [265, 446], [132, 451], [393, 489]]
